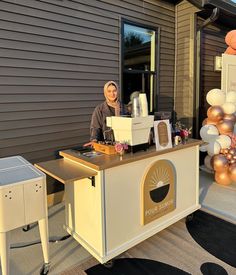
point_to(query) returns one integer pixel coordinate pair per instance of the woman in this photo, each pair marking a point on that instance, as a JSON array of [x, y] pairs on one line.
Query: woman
[[110, 107]]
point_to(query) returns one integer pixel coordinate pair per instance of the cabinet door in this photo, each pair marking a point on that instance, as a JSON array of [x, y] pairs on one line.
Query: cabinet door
[[11, 208], [35, 201]]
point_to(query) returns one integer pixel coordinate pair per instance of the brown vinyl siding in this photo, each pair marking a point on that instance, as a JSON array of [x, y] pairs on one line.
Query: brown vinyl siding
[[212, 44], [55, 57], [185, 45]]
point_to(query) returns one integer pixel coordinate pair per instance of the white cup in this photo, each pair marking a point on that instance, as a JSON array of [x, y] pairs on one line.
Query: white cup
[[135, 107], [143, 105]]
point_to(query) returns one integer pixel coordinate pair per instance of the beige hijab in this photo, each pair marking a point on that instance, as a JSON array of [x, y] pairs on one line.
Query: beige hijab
[[115, 104]]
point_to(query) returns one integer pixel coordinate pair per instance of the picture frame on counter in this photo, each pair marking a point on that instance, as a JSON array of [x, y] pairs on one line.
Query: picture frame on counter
[[162, 134]]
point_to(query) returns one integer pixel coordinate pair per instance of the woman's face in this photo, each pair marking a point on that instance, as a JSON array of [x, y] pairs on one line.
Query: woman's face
[[111, 93]]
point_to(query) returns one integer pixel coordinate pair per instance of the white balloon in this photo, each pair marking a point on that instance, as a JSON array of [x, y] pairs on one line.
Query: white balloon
[[207, 162], [216, 97], [213, 148], [203, 147], [229, 108], [224, 141], [231, 97], [208, 132]]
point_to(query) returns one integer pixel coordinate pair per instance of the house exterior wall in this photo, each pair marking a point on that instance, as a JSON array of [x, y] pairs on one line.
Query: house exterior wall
[[212, 44], [185, 61], [55, 57]]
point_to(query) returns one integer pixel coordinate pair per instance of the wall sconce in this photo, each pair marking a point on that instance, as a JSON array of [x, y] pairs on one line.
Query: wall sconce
[[217, 63]]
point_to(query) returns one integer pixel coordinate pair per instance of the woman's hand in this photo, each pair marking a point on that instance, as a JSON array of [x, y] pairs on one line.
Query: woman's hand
[[90, 143]]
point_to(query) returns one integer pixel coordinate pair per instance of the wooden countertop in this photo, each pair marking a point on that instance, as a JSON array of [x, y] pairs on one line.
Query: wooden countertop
[[65, 170], [103, 161]]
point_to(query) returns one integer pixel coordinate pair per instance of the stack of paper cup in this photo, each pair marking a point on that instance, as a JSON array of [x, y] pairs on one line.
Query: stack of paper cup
[[135, 107], [143, 105]]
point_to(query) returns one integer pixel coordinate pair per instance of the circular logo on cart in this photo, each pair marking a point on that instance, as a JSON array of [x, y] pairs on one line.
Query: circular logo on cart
[[158, 190]]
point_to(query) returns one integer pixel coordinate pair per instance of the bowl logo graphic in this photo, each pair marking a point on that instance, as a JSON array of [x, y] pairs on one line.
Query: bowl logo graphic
[[158, 191], [159, 184]]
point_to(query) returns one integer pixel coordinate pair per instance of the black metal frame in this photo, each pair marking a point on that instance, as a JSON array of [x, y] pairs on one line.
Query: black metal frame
[[157, 59]]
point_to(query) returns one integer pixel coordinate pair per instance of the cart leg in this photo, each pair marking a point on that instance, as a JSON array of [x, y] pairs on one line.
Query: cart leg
[[43, 230], [109, 264], [4, 252]]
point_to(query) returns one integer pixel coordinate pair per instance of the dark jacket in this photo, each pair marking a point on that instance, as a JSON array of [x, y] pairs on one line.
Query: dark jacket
[[98, 121]]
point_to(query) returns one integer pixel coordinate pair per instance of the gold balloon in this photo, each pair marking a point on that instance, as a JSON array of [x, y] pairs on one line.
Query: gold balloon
[[225, 127], [232, 172], [223, 178], [219, 163], [226, 151], [229, 156], [207, 121], [232, 151], [230, 117], [211, 122], [215, 113], [232, 161]]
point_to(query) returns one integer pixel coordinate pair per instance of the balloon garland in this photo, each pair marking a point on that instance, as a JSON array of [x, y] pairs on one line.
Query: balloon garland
[[218, 132], [219, 128], [230, 40]]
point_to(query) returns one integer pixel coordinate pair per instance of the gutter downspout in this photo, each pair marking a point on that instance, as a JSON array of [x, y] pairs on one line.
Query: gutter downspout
[[213, 17]]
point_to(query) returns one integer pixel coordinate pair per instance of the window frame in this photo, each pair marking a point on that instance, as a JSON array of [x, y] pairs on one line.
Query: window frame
[[155, 73]]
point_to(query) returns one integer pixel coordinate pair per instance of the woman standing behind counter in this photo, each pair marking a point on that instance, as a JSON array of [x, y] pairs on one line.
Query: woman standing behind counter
[[110, 107]]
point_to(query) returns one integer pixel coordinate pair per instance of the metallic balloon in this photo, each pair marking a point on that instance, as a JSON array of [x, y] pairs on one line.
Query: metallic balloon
[[223, 178], [232, 172], [219, 163], [225, 127], [232, 151], [232, 161], [215, 113], [229, 156], [230, 117]]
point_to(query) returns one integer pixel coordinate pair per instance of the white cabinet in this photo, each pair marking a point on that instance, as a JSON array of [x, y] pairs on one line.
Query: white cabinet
[[22, 201]]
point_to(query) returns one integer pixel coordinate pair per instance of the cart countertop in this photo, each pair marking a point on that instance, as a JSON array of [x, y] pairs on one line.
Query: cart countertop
[[103, 161]]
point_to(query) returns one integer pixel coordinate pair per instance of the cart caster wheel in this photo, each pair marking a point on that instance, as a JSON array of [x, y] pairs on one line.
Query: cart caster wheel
[[109, 264], [189, 218], [45, 269], [27, 228]]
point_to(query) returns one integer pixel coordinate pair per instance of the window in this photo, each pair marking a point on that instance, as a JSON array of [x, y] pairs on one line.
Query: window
[[139, 62]]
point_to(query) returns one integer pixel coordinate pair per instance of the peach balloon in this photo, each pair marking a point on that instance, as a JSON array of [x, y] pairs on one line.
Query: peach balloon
[[225, 127], [219, 163], [230, 50], [223, 178], [230, 37], [232, 42], [215, 113], [232, 172]]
